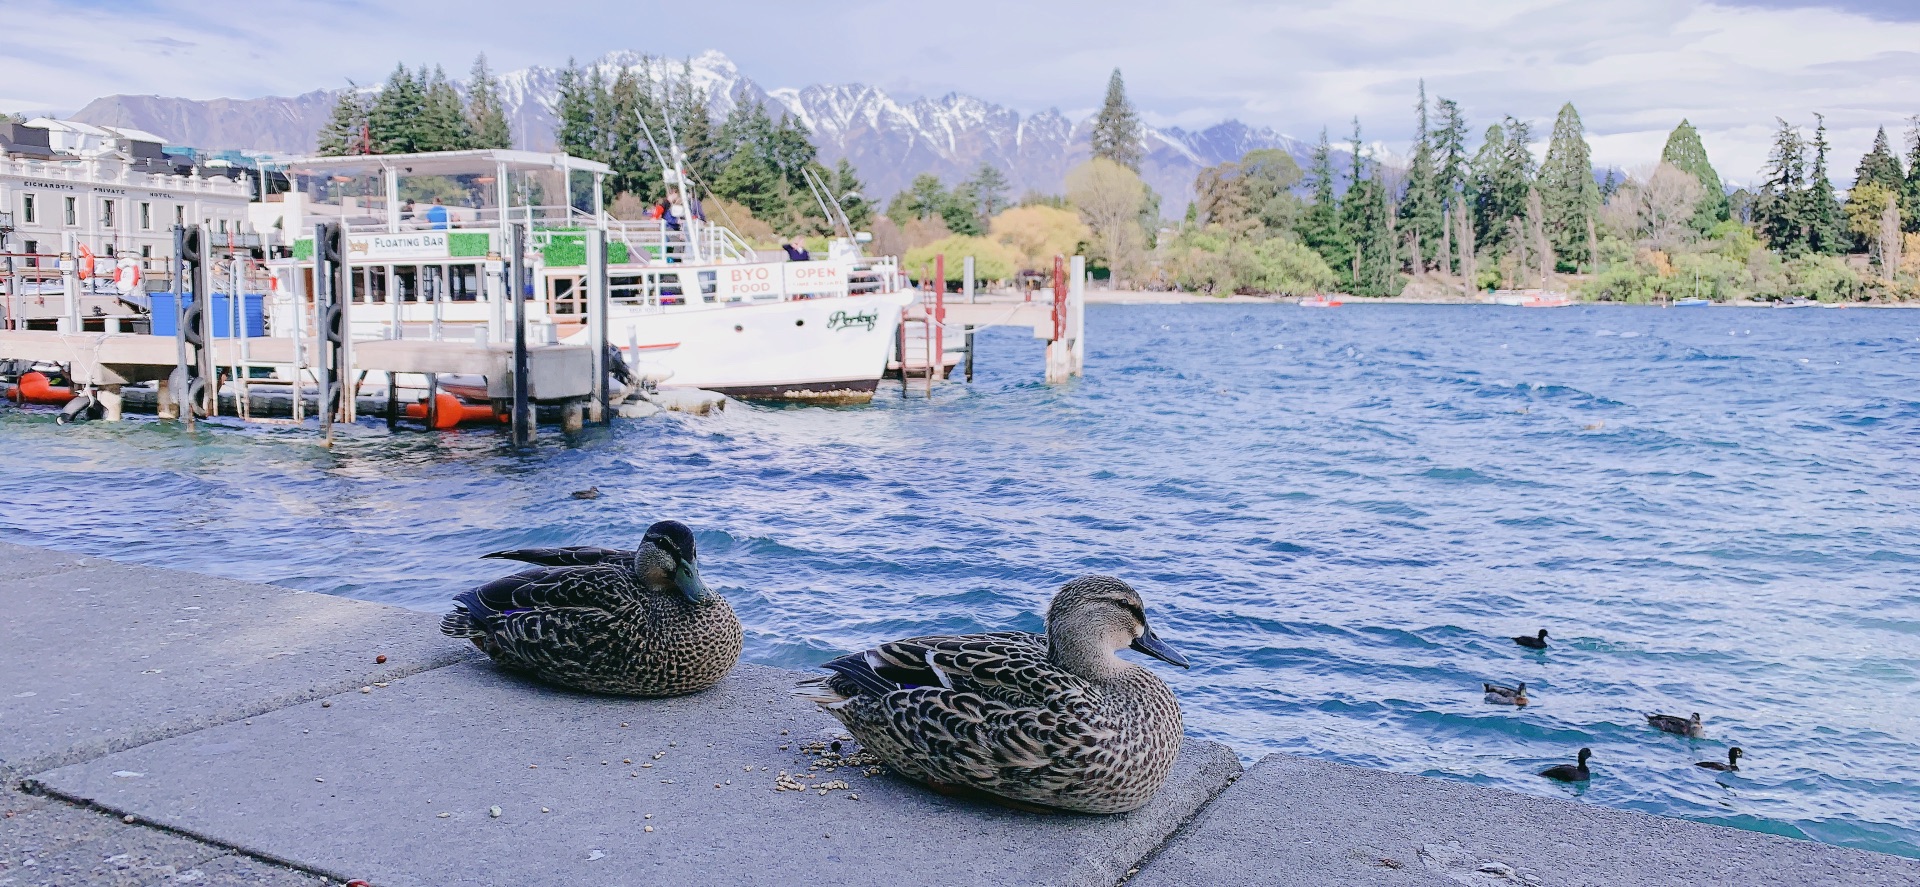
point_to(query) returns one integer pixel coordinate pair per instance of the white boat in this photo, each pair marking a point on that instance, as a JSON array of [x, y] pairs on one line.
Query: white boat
[[693, 300], [1695, 302], [1319, 302]]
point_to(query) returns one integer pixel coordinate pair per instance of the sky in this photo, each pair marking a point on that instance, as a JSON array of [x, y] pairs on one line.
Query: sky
[[1633, 68]]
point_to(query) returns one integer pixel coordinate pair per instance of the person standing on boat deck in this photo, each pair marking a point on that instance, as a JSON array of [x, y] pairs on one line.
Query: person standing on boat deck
[[406, 210], [437, 215], [797, 251], [694, 210]]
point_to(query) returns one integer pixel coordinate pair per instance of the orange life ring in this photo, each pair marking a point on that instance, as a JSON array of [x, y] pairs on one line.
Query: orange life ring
[[85, 265], [451, 411], [126, 276], [34, 387]]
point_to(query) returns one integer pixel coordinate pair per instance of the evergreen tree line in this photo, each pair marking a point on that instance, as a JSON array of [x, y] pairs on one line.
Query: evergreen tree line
[[751, 159], [965, 210], [419, 110]]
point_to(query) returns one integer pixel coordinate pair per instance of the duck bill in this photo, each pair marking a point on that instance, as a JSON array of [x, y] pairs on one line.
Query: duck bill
[[686, 577], [1151, 644]]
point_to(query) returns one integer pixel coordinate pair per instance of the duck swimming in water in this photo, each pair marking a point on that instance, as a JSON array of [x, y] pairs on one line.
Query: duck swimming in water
[[638, 623], [1498, 695], [1054, 721], [1679, 726], [1531, 642], [1571, 772], [1732, 764]]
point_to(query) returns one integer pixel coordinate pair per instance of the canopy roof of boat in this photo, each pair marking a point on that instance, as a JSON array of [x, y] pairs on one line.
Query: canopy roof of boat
[[445, 163]]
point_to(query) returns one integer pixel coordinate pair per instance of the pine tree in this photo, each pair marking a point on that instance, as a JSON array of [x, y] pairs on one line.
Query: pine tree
[[1420, 210], [1827, 223], [1880, 166], [575, 133], [1910, 194], [922, 200], [443, 119], [1686, 153], [486, 113], [397, 116], [989, 189], [1779, 210], [1366, 217], [346, 130], [1483, 204], [1319, 226], [1117, 134], [1568, 195], [687, 107], [635, 169], [848, 189], [1450, 151]]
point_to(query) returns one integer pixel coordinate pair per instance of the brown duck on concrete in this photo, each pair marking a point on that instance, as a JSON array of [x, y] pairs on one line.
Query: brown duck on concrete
[[1054, 721], [636, 623]]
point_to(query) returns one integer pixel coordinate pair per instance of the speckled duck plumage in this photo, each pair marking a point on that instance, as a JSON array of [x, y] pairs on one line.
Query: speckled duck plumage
[[1055, 721], [638, 623]]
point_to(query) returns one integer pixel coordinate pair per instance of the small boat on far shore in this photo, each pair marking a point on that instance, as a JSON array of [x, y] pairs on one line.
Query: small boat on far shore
[[1319, 302], [1530, 299], [1695, 302]]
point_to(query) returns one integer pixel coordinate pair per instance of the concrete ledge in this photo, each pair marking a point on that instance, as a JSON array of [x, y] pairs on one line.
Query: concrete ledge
[[97, 656], [45, 842], [1302, 821], [396, 787]]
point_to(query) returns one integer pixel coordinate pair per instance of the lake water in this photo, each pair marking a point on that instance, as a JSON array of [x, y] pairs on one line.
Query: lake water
[[1339, 516]]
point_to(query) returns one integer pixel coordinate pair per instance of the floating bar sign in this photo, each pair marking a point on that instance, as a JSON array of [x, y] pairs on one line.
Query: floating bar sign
[[418, 244]]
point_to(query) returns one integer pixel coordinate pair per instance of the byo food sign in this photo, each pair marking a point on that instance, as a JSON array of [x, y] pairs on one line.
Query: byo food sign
[[748, 282]]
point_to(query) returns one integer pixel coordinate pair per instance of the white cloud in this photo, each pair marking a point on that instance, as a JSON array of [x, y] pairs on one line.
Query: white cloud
[[1632, 67]]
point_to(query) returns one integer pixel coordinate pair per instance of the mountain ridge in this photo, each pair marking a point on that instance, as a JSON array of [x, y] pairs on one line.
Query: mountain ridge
[[887, 139]]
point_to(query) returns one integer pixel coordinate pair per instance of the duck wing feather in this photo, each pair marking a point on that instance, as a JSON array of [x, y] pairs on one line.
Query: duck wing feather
[[575, 556], [550, 615]]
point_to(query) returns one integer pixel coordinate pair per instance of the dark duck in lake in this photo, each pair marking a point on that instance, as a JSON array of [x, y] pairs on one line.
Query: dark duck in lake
[[1571, 772], [1050, 722], [1499, 695], [1732, 764], [633, 623], [1531, 642], [1679, 726]]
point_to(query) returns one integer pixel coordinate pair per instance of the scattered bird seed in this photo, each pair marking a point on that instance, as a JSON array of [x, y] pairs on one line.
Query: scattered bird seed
[[545, 810], [623, 725], [128, 819], [366, 689], [647, 766], [649, 828], [648, 816], [626, 760], [380, 659], [441, 815], [783, 733], [318, 779], [494, 811], [380, 684], [852, 797], [596, 854], [326, 703]]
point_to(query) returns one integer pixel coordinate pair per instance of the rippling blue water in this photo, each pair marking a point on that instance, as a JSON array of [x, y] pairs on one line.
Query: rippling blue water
[[1340, 516]]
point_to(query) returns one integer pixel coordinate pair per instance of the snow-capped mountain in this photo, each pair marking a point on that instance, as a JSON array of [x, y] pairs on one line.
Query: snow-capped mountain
[[889, 141]]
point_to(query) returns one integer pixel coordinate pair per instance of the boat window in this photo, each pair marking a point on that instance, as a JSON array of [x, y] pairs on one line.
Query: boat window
[[407, 279], [710, 284], [670, 293], [463, 284], [627, 290], [564, 296]]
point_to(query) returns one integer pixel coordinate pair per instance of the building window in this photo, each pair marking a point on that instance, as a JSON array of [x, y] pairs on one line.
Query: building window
[[106, 213], [73, 211], [28, 210], [146, 217], [146, 252], [110, 252], [33, 247]]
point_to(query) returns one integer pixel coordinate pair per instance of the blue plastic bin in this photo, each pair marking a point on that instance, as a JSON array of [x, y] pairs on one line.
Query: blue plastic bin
[[254, 321]]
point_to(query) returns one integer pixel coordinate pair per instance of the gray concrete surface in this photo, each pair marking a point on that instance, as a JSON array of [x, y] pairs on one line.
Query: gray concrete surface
[[97, 656], [396, 786], [1298, 821], [50, 843]]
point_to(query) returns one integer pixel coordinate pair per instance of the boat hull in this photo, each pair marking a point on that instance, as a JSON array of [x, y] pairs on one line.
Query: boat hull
[[827, 350]]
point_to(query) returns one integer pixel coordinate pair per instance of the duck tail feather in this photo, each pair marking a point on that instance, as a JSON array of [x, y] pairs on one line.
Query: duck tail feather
[[854, 674], [459, 624]]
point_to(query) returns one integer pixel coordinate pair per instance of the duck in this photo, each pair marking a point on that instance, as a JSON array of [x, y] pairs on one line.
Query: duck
[[1042, 722], [588, 493], [640, 624], [1571, 772], [1531, 642], [1679, 726], [571, 556], [1499, 695], [1732, 764]]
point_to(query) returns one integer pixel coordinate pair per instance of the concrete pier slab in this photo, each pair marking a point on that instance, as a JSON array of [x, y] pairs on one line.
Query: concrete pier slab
[[97, 656], [1295, 820], [50, 843], [468, 775]]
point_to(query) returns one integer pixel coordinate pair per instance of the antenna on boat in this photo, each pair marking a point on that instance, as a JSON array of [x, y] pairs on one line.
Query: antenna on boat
[[843, 220]]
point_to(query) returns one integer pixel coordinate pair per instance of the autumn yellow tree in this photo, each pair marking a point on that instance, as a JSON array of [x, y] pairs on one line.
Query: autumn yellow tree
[[1035, 234], [1109, 197]]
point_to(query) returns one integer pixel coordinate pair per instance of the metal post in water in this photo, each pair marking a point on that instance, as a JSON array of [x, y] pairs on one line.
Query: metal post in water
[[183, 408], [596, 241], [522, 422], [967, 281], [936, 320], [70, 283]]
